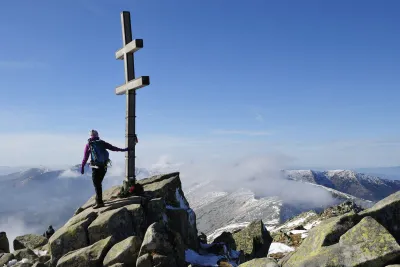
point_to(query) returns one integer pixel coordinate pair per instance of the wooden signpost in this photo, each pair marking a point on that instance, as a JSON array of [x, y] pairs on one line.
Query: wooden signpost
[[129, 47]]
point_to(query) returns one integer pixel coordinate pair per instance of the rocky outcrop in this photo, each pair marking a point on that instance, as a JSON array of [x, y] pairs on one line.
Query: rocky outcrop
[[4, 244], [254, 240], [158, 228], [30, 241], [154, 228], [368, 238]]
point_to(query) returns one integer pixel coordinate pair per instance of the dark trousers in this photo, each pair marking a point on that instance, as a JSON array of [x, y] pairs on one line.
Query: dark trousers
[[97, 177]]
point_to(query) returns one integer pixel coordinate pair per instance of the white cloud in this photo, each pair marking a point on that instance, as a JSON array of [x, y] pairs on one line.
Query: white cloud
[[66, 149], [261, 174], [47, 149]]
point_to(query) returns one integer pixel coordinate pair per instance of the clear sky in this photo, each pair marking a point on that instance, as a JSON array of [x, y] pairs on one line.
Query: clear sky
[[315, 82]]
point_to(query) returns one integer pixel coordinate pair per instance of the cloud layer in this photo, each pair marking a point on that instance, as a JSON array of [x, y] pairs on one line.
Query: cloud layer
[[66, 149]]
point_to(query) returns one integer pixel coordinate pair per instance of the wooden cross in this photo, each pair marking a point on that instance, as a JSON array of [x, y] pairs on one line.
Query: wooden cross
[[129, 47]]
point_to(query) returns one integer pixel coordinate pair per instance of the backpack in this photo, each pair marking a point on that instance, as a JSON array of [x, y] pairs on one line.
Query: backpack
[[99, 154]]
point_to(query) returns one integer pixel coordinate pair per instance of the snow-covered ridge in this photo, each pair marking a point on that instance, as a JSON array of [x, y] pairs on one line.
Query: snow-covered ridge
[[353, 183]]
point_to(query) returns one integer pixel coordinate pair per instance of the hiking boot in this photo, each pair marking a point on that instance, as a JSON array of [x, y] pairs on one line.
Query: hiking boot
[[98, 205]]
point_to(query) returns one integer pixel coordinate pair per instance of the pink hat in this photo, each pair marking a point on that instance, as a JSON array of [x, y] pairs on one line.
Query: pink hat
[[93, 133]]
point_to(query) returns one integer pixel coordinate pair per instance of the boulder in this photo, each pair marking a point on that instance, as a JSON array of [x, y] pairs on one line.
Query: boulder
[[110, 203], [387, 213], [4, 244], [107, 196], [25, 253], [88, 214], [326, 233], [138, 219], [167, 186], [378, 246], [156, 178], [283, 261], [260, 262], [227, 239], [69, 238], [155, 211], [117, 223], [5, 258], [144, 261], [44, 258], [30, 241], [125, 251], [160, 240], [254, 240], [163, 261], [366, 244], [91, 256], [183, 222]]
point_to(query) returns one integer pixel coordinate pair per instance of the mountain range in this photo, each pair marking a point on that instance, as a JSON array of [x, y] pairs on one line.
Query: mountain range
[[38, 197]]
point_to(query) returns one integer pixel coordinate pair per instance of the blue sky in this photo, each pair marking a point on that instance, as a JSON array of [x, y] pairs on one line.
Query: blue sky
[[314, 80]]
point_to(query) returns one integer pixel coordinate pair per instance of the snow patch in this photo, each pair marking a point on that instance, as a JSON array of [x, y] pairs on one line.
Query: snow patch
[[304, 233], [295, 222], [165, 218], [279, 247], [40, 253], [180, 199], [296, 232], [192, 217], [228, 228], [310, 225], [14, 261], [193, 257]]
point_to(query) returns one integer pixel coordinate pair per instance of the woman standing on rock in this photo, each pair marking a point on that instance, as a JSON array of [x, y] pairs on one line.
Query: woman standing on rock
[[99, 161]]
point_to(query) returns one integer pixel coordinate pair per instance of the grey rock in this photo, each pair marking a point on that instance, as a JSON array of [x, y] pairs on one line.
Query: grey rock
[[117, 223], [69, 238], [125, 251], [91, 256], [30, 241], [4, 244], [25, 253], [5, 258]]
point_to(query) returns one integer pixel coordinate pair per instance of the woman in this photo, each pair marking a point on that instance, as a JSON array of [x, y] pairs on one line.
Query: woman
[[99, 159]]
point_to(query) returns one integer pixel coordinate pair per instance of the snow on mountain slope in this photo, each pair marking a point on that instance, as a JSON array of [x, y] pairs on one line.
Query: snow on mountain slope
[[230, 208], [4, 170], [360, 185], [219, 211]]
